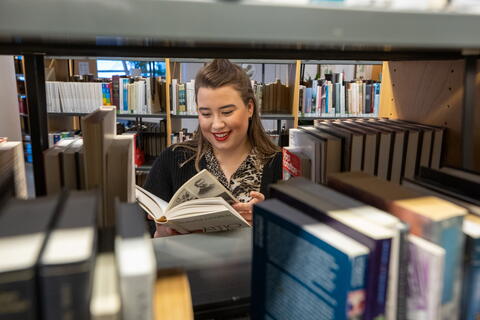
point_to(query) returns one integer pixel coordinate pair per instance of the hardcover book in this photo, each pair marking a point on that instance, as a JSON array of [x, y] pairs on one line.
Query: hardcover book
[[326, 283]]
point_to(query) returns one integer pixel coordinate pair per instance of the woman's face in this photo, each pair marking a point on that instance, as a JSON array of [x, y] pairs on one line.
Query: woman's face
[[223, 118]]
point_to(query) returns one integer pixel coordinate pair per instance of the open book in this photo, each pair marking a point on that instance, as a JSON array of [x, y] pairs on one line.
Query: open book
[[202, 203]]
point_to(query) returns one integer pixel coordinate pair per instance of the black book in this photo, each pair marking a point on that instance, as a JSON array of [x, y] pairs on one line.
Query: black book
[[24, 226], [66, 265], [466, 189]]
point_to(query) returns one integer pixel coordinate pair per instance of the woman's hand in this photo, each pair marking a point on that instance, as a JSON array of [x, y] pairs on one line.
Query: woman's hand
[[245, 209], [162, 230]]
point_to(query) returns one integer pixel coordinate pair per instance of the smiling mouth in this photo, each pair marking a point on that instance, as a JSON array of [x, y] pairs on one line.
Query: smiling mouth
[[221, 136]]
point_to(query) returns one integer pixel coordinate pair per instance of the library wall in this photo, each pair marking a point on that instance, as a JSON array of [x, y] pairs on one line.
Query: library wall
[[430, 92], [9, 120]]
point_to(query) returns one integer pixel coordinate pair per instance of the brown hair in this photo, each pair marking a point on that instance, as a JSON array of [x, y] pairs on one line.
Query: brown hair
[[219, 73]]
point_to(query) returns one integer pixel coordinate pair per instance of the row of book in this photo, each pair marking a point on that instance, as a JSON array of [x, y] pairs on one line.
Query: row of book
[[366, 248], [389, 149], [102, 159], [130, 95], [56, 263], [271, 98], [327, 98], [152, 139], [183, 97], [76, 96]]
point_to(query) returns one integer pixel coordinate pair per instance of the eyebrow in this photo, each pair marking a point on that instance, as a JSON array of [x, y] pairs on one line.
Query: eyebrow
[[221, 108]]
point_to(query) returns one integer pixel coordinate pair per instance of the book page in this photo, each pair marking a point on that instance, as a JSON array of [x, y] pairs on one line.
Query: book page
[[216, 220], [149, 202], [202, 185]]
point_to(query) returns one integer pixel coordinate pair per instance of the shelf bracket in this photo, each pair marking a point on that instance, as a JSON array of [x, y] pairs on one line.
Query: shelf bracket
[[37, 110]]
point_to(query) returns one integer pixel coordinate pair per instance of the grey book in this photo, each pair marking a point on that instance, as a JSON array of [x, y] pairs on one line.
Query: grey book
[[24, 227], [66, 266]]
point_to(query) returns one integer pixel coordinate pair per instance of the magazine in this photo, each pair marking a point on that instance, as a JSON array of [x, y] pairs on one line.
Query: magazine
[[201, 204]]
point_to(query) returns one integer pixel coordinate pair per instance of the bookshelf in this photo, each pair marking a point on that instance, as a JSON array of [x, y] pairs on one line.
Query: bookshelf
[[429, 76], [410, 43]]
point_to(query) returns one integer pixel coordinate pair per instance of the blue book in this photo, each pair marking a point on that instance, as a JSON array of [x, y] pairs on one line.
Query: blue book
[[470, 309], [374, 236], [376, 97], [304, 269], [308, 93], [125, 94], [314, 96]]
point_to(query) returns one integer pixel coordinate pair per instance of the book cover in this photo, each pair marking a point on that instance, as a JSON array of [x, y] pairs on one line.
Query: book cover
[[425, 273], [328, 282], [295, 163], [471, 269]]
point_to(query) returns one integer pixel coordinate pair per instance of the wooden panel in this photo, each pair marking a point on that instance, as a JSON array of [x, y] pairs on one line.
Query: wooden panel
[[429, 92], [62, 123], [476, 149], [376, 72]]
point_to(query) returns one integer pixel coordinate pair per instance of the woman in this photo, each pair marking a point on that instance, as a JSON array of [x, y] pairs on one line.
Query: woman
[[230, 143]]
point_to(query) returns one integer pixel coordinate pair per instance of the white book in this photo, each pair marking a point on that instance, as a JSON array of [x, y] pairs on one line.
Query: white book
[[105, 303], [136, 263], [190, 93], [148, 96], [426, 267], [99, 95], [312, 149], [202, 203]]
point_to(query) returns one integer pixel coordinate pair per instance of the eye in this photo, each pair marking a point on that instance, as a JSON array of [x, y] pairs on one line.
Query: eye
[[206, 115], [226, 113]]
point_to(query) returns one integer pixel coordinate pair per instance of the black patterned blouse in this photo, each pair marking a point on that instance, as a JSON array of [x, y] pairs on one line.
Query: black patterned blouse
[[246, 178]]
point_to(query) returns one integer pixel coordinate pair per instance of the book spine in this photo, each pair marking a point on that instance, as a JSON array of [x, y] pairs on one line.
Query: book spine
[[18, 298], [66, 290], [258, 267], [471, 281], [402, 288], [451, 238]]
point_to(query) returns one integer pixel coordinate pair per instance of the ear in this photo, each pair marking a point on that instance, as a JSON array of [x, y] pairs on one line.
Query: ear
[[250, 108]]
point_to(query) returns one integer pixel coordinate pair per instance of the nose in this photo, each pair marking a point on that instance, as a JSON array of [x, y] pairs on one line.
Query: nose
[[217, 123]]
